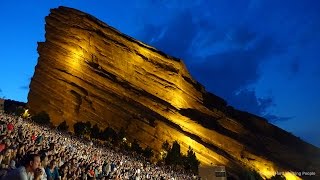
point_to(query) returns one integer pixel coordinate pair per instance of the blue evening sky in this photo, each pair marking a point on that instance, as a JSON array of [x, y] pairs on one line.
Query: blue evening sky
[[262, 56]]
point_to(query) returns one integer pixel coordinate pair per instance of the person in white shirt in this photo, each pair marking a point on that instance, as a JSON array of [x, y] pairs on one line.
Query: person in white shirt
[[29, 171]]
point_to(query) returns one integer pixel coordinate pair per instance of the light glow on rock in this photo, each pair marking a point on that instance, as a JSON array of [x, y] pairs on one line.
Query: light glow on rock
[[291, 176], [75, 60]]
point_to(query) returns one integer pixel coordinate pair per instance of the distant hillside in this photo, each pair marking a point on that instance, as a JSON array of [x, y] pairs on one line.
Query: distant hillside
[[12, 106]]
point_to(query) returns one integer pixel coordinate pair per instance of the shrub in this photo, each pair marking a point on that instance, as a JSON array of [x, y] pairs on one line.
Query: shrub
[[250, 175], [174, 156], [148, 152], [191, 162], [277, 177], [108, 133], [95, 132], [41, 118], [81, 128], [136, 147], [63, 126]]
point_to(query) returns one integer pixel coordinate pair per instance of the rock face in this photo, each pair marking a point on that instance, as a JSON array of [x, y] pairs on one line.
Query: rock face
[[88, 71]]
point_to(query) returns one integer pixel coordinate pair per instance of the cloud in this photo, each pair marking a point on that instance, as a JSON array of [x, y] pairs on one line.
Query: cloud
[[24, 87], [175, 38], [275, 119], [247, 100], [242, 35], [225, 60], [150, 33], [230, 73], [233, 69]]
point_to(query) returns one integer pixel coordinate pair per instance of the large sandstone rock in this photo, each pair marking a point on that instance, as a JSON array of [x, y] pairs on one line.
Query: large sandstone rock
[[89, 71]]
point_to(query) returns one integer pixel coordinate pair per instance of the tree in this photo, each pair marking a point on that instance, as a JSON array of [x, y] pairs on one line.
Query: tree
[[277, 177], [95, 132], [63, 126], [148, 152], [41, 118], [191, 162], [81, 128], [11, 106], [251, 175], [87, 128], [166, 146], [121, 134], [174, 156], [108, 133], [19, 111], [136, 147], [125, 145]]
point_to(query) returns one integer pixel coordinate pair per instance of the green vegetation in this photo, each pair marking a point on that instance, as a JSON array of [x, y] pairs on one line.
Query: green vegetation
[[41, 118], [63, 126], [277, 177], [175, 158], [191, 162], [14, 107], [82, 128], [250, 175], [172, 156]]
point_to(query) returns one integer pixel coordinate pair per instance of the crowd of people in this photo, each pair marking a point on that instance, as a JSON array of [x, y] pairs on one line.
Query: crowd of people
[[30, 151]]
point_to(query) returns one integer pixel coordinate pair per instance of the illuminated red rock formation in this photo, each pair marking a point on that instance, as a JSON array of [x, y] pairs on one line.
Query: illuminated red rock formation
[[89, 71]]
